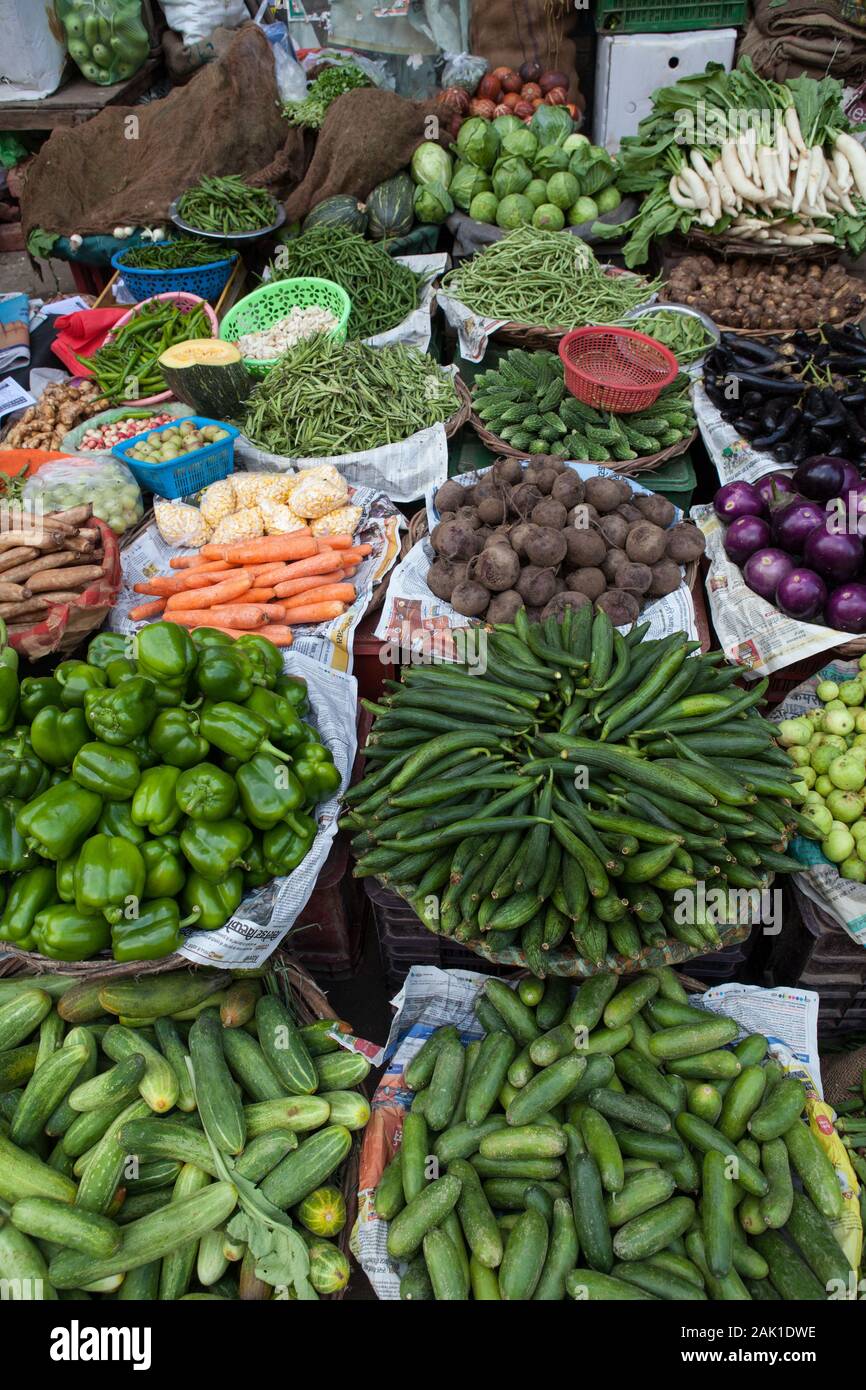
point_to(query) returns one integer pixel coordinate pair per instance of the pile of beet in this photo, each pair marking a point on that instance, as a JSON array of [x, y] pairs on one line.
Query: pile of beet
[[537, 537]]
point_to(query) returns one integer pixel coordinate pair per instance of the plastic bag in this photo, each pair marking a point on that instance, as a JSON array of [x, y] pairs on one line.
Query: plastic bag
[[106, 39], [327, 57], [195, 20], [291, 79], [463, 70], [106, 483]]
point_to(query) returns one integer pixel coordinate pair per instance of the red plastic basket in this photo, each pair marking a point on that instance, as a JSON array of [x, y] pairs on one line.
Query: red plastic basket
[[615, 368]]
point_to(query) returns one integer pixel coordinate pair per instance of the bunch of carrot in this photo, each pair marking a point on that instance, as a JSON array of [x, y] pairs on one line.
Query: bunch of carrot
[[268, 585]]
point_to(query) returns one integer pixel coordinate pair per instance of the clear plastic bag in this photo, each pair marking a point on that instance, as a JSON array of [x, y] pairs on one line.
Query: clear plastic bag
[[463, 70], [106, 483], [106, 39]]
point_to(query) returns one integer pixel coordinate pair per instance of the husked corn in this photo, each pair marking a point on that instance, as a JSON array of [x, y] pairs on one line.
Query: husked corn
[[321, 490], [245, 525], [279, 519], [340, 522], [180, 524]]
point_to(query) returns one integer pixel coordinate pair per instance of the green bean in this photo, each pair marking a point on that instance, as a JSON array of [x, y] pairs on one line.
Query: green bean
[[226, 205], [382, 291], [325, 398], [534, 276], [176, 255], [683, 334]]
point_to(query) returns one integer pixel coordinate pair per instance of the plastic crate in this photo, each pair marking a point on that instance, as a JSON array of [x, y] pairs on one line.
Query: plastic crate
[[328, 936], [645, 17], [676, 480], [814, 952], [404, 942], [182, 477], [206, 281]]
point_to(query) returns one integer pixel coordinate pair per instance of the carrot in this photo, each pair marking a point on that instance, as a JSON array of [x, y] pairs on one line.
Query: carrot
[[230, 631], [300, 569], [227, 591], [230, 615], [259, 595], [314, 612], [288, 587], [279, 635], [295, 546], [334, 542], [147, 610], [341, 593], [358, 552]]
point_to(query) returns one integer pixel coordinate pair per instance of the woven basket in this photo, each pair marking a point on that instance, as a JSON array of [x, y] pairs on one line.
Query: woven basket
[[535, 337], [632, 466], [763, 332], [728, 247], [463, 413]]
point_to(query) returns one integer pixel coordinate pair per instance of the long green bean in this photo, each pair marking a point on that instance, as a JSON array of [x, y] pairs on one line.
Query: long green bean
[[683, 334], [226, 205], [325, 398], [539, 277], [382, 292], [176, 255]]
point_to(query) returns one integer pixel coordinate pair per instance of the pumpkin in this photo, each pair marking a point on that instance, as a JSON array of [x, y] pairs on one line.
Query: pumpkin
[[390, 208], [340, 211], [209, 376]]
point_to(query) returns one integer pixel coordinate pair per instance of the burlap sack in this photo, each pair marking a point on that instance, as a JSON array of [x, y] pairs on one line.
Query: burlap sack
[[841, 1074]]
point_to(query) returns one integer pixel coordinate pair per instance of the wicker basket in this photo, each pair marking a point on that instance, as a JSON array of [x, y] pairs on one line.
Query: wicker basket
[[463, 414], [763, 332], [728, 247], [632, 466]]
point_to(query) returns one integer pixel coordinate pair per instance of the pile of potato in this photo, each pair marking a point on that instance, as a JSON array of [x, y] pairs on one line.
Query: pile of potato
[[755, 294], [537, 537]]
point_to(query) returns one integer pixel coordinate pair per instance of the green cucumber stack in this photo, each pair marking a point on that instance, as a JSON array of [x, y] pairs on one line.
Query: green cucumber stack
[[524, 401], [608, 1147], [571, 795], [153, 1133]]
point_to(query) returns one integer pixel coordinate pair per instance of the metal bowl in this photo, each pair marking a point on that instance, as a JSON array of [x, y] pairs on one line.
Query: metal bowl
[[684, 309], [279, 219]]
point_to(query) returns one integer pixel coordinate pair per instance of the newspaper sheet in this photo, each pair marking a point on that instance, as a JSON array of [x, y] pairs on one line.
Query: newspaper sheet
[[732, 456]]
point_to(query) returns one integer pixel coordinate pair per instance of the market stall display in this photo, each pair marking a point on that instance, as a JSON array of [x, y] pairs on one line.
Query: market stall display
[[106, 39], [188, 263], [226, 207], [104, 487], [127, 367], [49, 560], [330, 82], [382, 291], [100, 436], [506, 91], [277, 316], [688, 334], [749, 294], [61, 407]]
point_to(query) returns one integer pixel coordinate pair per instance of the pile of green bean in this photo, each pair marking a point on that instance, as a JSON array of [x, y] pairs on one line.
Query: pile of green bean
[[683, 334], [128, 367], [176, 255], [382, 292], [325, 398], [226, 205], [542, 278]]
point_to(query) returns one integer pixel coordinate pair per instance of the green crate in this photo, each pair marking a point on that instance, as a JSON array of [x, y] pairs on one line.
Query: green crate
[[675, 480], [647, 17]]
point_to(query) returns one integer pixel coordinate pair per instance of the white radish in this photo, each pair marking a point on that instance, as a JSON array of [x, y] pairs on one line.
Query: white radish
[[783, 155], [702, 168], [766, 168], [800, 183], [744, 155], [826, 238], [856, 157], [721, 178], [677, 198], [695, 185], [706, 218], [737, 176], [792, 125], [842, 170], [715, 201]]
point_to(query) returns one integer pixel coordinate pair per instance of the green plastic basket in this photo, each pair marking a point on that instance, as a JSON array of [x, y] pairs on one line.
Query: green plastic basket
[[270, 303], [652, 17]]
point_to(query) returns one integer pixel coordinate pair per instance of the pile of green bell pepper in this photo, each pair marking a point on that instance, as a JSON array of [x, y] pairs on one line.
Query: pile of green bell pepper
[[149, 788]]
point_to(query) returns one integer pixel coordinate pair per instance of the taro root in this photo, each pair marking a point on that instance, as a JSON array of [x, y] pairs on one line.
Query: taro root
[[443, 577], [568, 489], [560, 603], [546, 547], [508, 470], [589, 581], [656, 509], [497, 568], [611, 563], [470, 516], [492, 510], [614, 528], [450, 496], [504, 606], [536, 586], [667, 577], [684, 543], [605, 494], [583, 547], [470, 599], [632, 576], [645, 543], [524, 498], [550, 513], [620, 606], [455, 540]]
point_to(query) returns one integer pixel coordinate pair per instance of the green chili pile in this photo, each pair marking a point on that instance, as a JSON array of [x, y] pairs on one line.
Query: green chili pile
[[128, 367], [226, 205], [382, 292], [325, 398], [683, 334], [538, 277], [176, 255]]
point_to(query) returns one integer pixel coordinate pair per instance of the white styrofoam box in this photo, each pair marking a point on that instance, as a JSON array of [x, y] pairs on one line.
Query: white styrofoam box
[[629, 68], [33, 52]]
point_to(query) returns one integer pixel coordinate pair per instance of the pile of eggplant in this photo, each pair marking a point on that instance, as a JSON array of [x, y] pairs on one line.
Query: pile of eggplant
[[796, 397]]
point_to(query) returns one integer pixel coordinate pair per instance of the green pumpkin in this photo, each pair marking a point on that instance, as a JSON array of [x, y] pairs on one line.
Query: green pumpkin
[[339, 211], [390, 208], [329, 1268]]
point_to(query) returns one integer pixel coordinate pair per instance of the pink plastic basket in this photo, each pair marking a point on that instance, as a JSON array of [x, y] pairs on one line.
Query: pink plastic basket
[[184, 301], [615, 369]]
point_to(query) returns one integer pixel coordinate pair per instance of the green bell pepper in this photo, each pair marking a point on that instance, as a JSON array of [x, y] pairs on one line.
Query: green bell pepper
[[59, 820], [165, 652], [164, 867], [64, 876], [314, 768], [268, 790], [214, 902], [140, 746], [168, 694], [29, 894], [214, 847], [117, 715], [8, 654], [224, 673], [57, 734], [174, 737], [152, 934], [256, 873], [36, 692], [116, 819], [62, 932], [284, 723], [203, 637], [15, 853], [75, 678], [106, 647], [109, 877], [154, 805], [293, 689], [22, 774], [8, 698], [119, 670], [206, 792], [288, 843], [113, 773], [267, 660], [237, 731]]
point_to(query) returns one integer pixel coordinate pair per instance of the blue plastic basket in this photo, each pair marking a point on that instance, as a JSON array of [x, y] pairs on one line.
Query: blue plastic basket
[[207, 281], [190, 474]]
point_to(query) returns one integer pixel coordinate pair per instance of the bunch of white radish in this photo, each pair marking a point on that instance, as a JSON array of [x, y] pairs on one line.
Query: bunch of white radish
[[784, 194]]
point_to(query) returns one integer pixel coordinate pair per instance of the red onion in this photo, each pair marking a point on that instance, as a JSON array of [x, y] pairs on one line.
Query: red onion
[[765, 570], [801, 594]]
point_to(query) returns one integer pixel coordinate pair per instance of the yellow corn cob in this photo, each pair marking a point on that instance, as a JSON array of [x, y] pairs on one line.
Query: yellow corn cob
[[180, 524], [244, 525], [218, 501], [340, 522]]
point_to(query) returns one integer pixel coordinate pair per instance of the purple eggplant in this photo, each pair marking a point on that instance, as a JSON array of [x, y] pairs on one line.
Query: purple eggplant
[[765, 570], [738, 499], [801, 594], [744, 536]]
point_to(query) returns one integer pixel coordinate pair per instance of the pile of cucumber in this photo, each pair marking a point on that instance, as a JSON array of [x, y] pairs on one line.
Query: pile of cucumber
[[561, 796], [140, 1118], [608, 1146]]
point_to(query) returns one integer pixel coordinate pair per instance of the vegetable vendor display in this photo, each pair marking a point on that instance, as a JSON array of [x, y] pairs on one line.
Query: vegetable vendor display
[[534, 276], [245, 506], [603, 774], [175, 255], [102, 487], [584, 1151], [117, 431], [754, 293], [59, 409], [525, 403], [745, 158], [106, 39], [45, 558], [121, 754], [684, 334], [191, 1155], [225, 205], [385, 395], [127, 367], [383, 292], [331, 82]]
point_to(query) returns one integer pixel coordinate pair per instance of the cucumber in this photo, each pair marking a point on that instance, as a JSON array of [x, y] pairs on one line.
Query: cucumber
[[51, 1031], [81, 1003], [483, 1282], [511, 1194], [662, 1283], [558, 1042], [63, 1224], [593, 1287], [562, 1254], [44, 1091], [607, 1041], [746, 1260], [641, 1192], [211, 1263], [775, 1208], [295, 1113], [741, 1103], [159, 1085], [22, 1174], [643, 1077], [415, 1286], [518, 1019], [463, 1140], [533, 1169], [23, 1270], [250, 1067], [239, 1005], [445, 1083], [318, 1036], [590, 1001], [339, 1071], [634, 1111], [545, 1090], [689, 1039], [587, 1202], [815, 1170], [285, 1049], [705, 1102], [469, 1060], [717, 1213], [428, 1209], [175, 1053], [347, 1108], [599, 1072], [630, 1000], [217, 1096], [525, 1253], [601, 1144], [636, 1143], [553, 1005], [415, 1148], [752, 1050], [151, 1139], [156, 995], [818, 1245], [789, 1273], [178, 1264], [21, 1015], [105, 1167], [706, 1066], [679, 1265], [17, 1065], [264, 1153], [141, 1285], [782, 1108], [750, 1214], [476, 1216], [307, 1167], [120, 1082], [671, 1013], [444, 1267], [524, 1142], [650, 1232], [731, 1289], [522, 1068], [704, 1137]]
